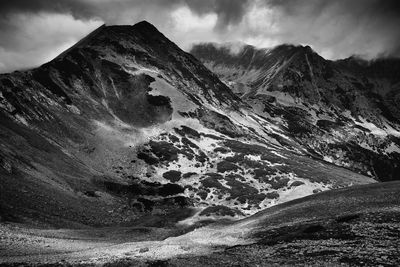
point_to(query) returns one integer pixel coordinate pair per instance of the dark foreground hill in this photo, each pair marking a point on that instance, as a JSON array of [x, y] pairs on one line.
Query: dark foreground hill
[[356, 226]]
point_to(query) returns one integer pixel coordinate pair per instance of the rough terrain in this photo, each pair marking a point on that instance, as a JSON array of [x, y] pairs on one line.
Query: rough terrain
[[126, 150]]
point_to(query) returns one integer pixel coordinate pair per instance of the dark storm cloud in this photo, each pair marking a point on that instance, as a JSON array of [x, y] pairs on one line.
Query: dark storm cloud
[[379, 7], [22, 45], [76, 7], [334, 28], [228, 11], [376, 20]]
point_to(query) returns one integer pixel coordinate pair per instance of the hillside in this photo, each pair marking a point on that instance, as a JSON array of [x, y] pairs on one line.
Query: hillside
[[126, 150], [125, 123], [355, 226], [345, 111]]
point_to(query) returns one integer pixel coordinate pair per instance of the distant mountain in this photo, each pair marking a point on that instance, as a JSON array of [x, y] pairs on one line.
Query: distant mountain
[[346, 112], [125, 124]]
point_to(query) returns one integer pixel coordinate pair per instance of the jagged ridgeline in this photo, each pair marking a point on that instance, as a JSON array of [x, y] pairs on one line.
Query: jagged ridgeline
[[345, 112], [125, 124], [127, 151]]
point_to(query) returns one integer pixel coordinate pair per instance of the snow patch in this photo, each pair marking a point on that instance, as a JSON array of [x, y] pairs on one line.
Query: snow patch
[[393, 148]]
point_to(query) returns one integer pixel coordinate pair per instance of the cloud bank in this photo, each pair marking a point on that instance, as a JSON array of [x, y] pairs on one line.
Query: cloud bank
[[32, 32]]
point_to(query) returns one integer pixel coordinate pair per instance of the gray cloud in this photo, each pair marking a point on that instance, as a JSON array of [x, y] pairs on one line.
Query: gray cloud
[[335, 28], [78, 8], [228, 11], [360, 23]]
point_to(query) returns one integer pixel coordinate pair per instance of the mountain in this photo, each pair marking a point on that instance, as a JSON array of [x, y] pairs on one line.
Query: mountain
[[125, 124], [345, 112], [125, 146]]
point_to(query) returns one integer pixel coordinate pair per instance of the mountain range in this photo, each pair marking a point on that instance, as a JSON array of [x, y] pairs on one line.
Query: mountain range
[[125, 140], [344, 111]]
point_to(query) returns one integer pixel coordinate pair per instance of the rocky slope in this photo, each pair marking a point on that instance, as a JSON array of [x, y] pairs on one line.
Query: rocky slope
[[125, 125], [345, 112], [354, 226]]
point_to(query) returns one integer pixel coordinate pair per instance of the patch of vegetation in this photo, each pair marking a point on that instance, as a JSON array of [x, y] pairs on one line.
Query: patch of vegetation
[[243, 192], [219, 123], [173, 175], [297, 125], [201, 157], [188, 174], [184, 130], [146, 157], [386, 167], [202, 194], [173, 138], [272, 195], [356, 126], [296, 183], [164, 151], [243, 148], [262, 174], [212, 136], [237, 158], [271, 157], [189, 143], [211, 182], [226, 166], [279, 182], [222, 150], [215, 175], [219, 210], [170, 189], [158, 100]]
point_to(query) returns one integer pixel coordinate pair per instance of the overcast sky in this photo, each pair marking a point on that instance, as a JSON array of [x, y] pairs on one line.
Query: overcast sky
[[35, 31]]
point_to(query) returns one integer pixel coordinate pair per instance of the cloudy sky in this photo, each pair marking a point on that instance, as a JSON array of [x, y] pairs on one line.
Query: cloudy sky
[[35, 31]]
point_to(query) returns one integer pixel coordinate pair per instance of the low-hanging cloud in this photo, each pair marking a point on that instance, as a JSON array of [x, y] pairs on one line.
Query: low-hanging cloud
[[31, 32], [365, 27]]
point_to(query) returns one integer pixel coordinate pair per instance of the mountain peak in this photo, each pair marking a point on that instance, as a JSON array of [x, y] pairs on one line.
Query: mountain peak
[[144, 28], [145, 25], [304, 49], [118, 36]]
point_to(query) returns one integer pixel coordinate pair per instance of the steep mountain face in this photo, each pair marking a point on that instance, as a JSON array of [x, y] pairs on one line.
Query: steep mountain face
[[345, 112], [125, 124]]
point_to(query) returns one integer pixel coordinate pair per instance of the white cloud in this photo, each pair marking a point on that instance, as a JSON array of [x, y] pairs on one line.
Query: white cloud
[[39, 38], [185, 20], [188, 27]]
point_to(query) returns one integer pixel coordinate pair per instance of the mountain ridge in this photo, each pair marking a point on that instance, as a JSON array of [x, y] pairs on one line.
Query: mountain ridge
[[148, 127], [319, 91], [126, 150]]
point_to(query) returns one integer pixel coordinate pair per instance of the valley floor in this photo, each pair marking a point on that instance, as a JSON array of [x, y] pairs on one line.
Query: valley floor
[[359, 226]]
